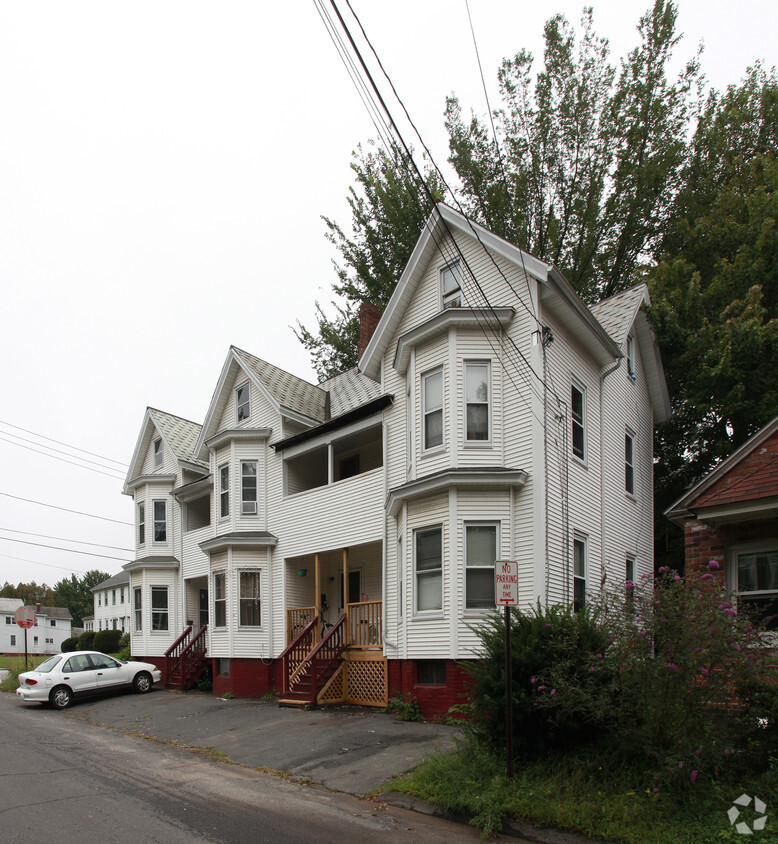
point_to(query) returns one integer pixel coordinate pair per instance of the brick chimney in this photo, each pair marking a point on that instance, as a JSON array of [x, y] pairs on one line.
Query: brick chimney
[[369, 315]]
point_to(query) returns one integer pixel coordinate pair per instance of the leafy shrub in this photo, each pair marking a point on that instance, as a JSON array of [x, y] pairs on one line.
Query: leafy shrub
[[124, 653], [107, 641], [70, 645], [86, 640], [682, 687], [405, 705], [124, 642], [540, 639], [205, 680]]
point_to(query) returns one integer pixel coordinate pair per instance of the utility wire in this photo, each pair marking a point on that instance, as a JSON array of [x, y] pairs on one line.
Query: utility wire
[[65, 509], [65, 539], [45, 565], [69, 550], [61, 459], [58, 451], [72, 447]]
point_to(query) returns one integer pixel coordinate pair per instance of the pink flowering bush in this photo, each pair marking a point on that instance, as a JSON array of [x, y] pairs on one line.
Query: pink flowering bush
[[686, 678]]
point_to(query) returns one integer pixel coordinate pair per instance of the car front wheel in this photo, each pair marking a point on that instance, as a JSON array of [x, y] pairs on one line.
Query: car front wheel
[[142, 682], [61, 697]]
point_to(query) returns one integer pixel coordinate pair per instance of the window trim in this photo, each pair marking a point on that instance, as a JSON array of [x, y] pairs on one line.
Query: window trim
[[243, 500], [451, 298], [222, 576], [224, 491], [258, 599], [629, 463], [158, 452], [582, 540], [581, 422], [141, 523], [487, 441], [242, 415], [158, 610], [426, 573], [483, 567], [733, 553], [425, 412], [162, 521], [137, 607]]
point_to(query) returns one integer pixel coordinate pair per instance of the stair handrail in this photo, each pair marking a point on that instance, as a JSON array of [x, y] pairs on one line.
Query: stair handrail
[[298, 649], [173, 650], [197, 645], [325, 657]]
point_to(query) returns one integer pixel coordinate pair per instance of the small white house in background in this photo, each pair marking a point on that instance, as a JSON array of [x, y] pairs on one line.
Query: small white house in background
[[492, 416], [111, 604], [52, 626]]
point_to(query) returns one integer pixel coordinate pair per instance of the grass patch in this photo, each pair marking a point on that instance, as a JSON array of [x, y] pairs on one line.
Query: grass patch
[[15, 665], [586, 793]]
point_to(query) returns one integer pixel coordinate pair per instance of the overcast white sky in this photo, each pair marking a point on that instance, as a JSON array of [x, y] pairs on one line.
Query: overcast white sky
[[163, 170]]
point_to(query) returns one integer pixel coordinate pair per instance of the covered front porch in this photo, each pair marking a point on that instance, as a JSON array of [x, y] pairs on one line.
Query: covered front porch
[[334, 642]]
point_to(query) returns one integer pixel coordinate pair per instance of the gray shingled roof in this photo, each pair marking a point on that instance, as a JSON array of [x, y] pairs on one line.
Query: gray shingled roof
[[288, 390], [10, 604], [55, 612], [180, 434], [117, 580], [349, 390], [617, 313]]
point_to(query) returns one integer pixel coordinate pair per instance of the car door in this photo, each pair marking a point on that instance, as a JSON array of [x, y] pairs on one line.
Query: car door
[[80, 675], [110, 672]]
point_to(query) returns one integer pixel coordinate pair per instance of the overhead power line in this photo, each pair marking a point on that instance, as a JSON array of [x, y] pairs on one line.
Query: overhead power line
[[65, 539], [65, 509], [67, 445], [61, 459], [69, 550], [45, 565]]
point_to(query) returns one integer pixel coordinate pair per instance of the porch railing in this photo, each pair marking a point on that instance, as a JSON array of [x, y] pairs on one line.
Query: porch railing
[[294, 657], [186, 653], [297, 619], [364, 625]]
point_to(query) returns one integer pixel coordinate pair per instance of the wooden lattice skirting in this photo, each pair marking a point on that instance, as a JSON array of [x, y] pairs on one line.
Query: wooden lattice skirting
[[362, 679]]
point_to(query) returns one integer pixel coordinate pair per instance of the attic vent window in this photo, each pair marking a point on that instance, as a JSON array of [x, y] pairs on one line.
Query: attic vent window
[[450, 286], [631, 359], [243, 402], [157, 452]]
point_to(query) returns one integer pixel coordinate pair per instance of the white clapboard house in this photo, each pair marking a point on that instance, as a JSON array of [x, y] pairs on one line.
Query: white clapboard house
[[337, 541]]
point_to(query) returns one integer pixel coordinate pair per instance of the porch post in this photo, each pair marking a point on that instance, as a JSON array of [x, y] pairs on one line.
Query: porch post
[[345, 593], [317, 631]]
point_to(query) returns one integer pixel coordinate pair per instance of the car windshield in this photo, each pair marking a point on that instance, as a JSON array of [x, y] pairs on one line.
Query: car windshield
[[48, 664]]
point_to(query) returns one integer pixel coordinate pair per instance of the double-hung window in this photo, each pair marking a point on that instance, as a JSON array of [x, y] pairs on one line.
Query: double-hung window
[[160, 521], [629, 462], [157, 452], [432, 398], [137, 605], [429, 568], [480, 555], [224, 491], [159, 608], [451, 286], [141, 523], [578, 413], [249, 599], [243, 402], [477, 378], [248, 487], [220, 599], [757, 582], [579, 572]]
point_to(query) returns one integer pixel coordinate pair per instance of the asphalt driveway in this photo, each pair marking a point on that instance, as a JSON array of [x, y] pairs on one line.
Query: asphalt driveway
[[351, 749]]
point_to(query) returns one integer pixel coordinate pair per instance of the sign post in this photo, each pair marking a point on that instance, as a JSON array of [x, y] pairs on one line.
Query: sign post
[[25, 618], [506, 594]]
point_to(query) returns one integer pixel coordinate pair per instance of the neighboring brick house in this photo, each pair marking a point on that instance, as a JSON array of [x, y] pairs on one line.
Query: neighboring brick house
[[731, 516]]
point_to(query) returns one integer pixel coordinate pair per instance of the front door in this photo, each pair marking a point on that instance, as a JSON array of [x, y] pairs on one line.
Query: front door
[[203, 607], [354, 585]]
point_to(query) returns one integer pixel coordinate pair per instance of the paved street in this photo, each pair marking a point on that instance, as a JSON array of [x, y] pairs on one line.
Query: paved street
[[67, 776]]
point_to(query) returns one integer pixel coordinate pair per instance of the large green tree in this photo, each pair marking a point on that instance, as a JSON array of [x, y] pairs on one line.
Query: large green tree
[[388, 209], [31, 593], [75, 593], [584, 162], [715, 286]]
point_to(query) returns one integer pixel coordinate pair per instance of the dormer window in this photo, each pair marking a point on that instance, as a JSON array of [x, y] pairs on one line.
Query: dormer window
[[157, 452], [243, 402], [450, 286]]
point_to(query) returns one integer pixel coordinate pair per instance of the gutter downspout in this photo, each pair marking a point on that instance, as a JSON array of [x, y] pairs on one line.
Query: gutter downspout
[[605, 373]]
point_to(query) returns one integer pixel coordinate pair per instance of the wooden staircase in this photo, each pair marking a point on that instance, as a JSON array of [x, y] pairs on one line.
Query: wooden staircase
[[308, 665], [185, 660]]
